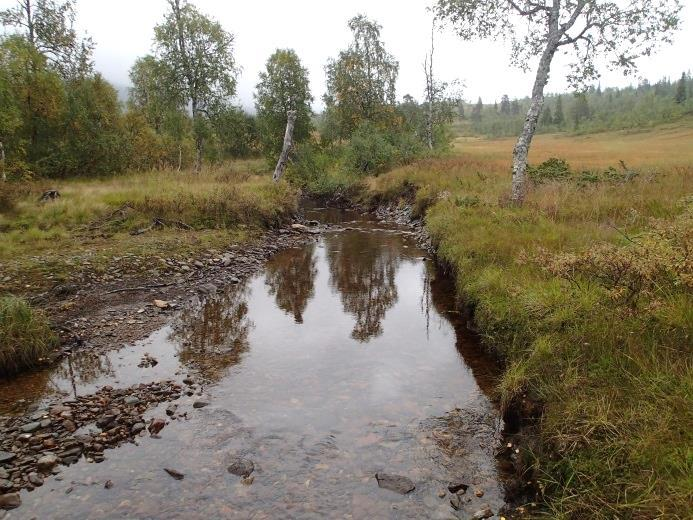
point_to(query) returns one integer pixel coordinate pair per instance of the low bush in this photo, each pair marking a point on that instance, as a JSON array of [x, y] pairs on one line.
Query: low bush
[[25, 335]]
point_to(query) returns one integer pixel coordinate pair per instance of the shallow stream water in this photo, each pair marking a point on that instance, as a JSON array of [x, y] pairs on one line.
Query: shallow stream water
[[343, 358]]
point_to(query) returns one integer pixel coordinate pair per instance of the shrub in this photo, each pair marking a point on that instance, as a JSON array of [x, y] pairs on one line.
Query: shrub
[[553, 169], [25, 335], [369, 151]]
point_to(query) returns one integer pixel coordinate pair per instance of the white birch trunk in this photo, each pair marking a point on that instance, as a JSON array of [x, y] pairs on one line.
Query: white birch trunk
[[288, 144], [521, 150]]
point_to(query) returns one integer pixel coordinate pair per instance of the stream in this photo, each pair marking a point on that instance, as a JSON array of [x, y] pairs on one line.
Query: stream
[[342, 359]]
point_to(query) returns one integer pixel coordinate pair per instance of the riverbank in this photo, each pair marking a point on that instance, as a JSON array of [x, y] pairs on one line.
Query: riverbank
[[96, 256], [585, 292]]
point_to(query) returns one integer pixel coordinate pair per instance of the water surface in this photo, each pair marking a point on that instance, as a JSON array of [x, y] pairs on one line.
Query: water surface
[[343, 358]]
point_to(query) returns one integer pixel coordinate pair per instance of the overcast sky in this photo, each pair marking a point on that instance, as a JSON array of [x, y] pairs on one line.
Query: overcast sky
[[317, 30]]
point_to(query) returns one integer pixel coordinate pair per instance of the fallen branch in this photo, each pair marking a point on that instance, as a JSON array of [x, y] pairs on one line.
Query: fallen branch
[[158, 223], [140, 288]]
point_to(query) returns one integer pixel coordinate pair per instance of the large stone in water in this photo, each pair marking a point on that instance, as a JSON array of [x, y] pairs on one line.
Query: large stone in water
[[10, 501], [396, 483]]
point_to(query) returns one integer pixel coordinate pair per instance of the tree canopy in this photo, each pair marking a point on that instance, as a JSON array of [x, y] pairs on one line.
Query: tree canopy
[[283, 86]]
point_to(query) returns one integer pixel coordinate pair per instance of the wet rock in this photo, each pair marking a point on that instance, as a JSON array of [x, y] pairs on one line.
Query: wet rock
[[396, 483], [10, 501], [105, 421], [156, 425], [35, 480], [31, 427], [457, 487], [5, 485], [482, 514], [241, 467], [6, 456], [175, 474], [46, 463], [202, 401]]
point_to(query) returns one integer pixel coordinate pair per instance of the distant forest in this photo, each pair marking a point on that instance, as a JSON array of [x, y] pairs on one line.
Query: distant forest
[[595, 110]]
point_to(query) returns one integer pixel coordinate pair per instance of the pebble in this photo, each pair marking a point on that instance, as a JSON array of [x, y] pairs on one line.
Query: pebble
[[241, 467], [46, 463], [202, 402], [31, 427], [175, 474], [482, 514]]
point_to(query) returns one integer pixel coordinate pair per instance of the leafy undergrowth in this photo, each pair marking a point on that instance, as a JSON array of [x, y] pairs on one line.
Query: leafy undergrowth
[[94, 221], [25, 335], [587, 293]]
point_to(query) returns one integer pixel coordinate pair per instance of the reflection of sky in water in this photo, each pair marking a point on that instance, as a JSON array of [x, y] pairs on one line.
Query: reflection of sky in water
[[316, 406]]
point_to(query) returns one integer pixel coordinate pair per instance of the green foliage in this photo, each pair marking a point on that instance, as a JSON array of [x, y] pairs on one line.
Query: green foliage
[[25, 335], [373, 151], [48, 27], [595, 110], [94, 142], [283, 86], [198, 52], [361, 81], [553, 169]]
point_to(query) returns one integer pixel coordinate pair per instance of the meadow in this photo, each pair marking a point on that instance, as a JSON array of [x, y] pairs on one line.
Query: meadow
[[96, 220], [586, 294]]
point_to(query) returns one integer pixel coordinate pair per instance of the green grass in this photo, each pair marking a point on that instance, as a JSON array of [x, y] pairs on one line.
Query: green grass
[[25, 335], [92, 222], [587, 293]]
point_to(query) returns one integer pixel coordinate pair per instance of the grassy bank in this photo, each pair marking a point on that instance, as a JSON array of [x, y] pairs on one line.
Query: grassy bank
[[99, 220], [25, 335], [587, 292]]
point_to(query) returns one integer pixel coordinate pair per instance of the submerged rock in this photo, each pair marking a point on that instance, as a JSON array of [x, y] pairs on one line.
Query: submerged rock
[[482, 514], [241, 467], [396, 483], [10, 501], [175, 474]]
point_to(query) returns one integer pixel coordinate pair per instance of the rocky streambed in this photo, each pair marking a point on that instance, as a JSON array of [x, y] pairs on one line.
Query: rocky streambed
[[334, 380]]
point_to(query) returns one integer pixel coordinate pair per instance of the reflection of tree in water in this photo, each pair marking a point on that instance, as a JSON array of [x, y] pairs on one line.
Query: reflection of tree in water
[[362, 269], [290, 277], [84, 367], [214, 335], [442, 297]]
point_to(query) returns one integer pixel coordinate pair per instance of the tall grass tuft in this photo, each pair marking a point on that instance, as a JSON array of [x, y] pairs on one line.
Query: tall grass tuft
[[25, 335]]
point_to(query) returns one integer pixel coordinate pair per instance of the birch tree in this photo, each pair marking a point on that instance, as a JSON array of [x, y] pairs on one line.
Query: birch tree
[[48, 26], [361, 81], [591, 32], [199, 52], [441, 99]]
